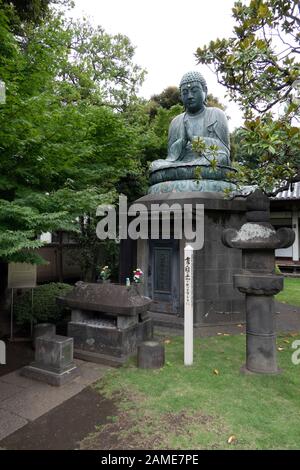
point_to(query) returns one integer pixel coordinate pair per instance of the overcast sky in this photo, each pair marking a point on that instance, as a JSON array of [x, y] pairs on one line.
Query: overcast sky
[[166, 34]]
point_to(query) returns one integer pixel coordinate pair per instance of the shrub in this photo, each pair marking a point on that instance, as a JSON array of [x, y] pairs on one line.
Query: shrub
[[45, 308], [277, 269]]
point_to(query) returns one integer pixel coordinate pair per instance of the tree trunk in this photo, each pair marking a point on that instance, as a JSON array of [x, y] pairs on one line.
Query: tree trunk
[[60, 258]]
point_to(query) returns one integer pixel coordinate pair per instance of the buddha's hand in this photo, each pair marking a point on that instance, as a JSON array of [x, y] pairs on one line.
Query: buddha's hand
[[176, 150], [188, 131]]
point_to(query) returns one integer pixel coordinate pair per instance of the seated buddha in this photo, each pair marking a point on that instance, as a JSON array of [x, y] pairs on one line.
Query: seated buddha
[[178, 172]]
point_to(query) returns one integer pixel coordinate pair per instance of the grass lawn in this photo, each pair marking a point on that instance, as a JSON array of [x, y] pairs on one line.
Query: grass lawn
[[205, 405], [291, 292]]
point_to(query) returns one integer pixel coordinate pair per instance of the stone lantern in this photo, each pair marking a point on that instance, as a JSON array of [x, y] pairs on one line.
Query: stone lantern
[[258, 240]]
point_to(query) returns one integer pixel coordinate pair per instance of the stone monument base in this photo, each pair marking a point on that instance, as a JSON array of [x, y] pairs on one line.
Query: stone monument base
[[105, 343], [189, 185], [108, 321], [215, 301], [43, 374], [245, 371], [53, 361]]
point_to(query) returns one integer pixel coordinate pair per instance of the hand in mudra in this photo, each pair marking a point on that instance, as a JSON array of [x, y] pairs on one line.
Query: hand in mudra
[[177, 150]]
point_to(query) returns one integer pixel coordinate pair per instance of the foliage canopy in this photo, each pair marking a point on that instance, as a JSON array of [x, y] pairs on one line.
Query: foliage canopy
[[259, 65]]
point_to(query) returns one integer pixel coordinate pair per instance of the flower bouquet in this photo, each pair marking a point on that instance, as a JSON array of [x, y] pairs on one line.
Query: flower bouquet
[[138, 276], [105, 273]]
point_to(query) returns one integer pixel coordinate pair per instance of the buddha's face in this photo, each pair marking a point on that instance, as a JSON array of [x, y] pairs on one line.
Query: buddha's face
[[193, 97]]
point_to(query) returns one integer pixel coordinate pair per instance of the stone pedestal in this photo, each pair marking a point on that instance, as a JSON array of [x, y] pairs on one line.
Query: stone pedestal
[[108, 322], [53, 360], [43, 329], [216, 302], [258, 240], [151, 355]]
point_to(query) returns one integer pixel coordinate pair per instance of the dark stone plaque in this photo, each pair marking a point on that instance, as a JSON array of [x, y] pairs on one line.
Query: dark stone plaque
[[162, 266]]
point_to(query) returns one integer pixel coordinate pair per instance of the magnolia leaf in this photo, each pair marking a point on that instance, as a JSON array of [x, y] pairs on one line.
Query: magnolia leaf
[[232, 439], [216, 372]]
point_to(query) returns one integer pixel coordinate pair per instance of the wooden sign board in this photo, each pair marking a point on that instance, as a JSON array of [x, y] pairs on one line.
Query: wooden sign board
[[21, 275]]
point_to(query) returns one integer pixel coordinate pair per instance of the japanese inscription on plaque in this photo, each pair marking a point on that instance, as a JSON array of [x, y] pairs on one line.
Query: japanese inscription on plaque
[[188, 280], [162, 262], [21, 275]]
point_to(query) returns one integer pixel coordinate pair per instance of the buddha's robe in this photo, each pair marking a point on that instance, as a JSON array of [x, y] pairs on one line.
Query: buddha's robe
[[210, 124]]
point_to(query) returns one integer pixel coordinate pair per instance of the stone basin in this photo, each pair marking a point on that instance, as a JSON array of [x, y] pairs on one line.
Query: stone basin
[[108, 321]]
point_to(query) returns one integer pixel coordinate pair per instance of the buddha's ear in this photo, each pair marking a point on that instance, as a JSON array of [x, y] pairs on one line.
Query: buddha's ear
[[205, 92]]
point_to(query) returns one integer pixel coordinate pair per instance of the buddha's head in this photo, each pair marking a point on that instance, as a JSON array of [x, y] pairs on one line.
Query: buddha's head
[[193, 90]]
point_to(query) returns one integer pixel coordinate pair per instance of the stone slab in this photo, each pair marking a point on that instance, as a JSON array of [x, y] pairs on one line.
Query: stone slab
[[99, 358], [9, 423], [111, 299], [31, 403], [39, 398], [15, 378], [48, 376], [7, 390], [89, 372], [211, 200]]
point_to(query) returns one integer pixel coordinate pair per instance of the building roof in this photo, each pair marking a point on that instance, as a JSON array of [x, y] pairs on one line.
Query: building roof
[[292, 193]]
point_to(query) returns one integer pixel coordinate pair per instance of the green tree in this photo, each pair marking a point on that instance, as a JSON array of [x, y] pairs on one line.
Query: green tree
[[213, 101], [170, 97], [29, 10], [103, 62], [64, 146], [258, 65]]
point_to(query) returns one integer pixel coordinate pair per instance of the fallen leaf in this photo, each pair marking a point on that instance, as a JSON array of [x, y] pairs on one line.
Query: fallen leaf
[[219, 334], [167, 341], [239, 325], [216, 372], [286, 341], [232, 439], [280, 349], [226, 334]]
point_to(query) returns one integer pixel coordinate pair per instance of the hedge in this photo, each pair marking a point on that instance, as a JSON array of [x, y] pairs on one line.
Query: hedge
[[45, 308]]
